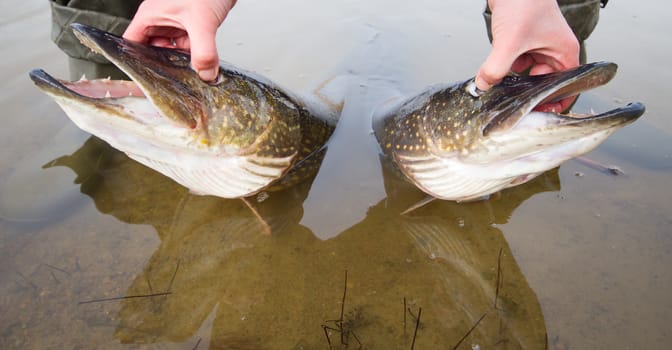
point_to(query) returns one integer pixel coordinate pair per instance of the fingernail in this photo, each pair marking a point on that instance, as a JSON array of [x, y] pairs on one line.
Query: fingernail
[[207, 74], [474, 90], [481, 85]]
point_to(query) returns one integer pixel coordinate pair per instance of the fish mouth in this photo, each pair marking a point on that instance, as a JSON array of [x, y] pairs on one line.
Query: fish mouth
[[547, 93], [158, 75], [102, 93]]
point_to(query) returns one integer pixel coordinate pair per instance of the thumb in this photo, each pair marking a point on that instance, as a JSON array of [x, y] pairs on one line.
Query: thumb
[[204, 58], [496, 66]]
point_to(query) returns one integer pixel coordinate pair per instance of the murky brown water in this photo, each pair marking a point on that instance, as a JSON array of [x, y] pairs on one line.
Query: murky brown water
[[584, 256]]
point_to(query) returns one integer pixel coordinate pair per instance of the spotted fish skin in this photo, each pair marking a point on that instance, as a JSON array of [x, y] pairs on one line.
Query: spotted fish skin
[[233, 137], [435, 121], [457, 145]]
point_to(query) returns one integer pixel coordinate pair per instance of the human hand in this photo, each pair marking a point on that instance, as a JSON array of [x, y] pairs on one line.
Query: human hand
[[528, 34], [188, 25]]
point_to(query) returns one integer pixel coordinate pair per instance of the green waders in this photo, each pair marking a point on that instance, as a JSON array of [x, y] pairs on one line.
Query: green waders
[[109, 15]]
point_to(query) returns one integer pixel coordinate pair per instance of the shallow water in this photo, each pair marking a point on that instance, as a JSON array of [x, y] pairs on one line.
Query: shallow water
[[583, 257]]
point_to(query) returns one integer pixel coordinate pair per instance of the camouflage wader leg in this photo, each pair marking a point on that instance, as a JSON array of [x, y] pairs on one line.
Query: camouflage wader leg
[[109, 15], [581, 15]]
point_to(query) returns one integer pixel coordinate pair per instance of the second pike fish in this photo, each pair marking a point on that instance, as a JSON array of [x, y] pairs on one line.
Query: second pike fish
[[456, 143]]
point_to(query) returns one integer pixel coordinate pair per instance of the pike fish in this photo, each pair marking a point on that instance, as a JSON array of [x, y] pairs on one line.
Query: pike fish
[[232, 138], [457, 143]]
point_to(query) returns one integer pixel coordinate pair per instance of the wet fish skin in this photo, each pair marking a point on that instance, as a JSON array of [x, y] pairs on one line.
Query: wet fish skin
[[456, 145], [231, 138]]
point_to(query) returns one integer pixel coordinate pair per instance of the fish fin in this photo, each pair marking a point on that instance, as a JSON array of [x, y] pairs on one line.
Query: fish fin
[[607, 169], [419, 204], [266, 228]]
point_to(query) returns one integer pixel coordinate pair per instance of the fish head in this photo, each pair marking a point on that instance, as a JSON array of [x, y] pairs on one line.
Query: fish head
[[167, 118], [457, 143], [232, 111]]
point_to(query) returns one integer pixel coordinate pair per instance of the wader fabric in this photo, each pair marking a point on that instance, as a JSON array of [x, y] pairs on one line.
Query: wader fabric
[[114, 16], [109, 15]]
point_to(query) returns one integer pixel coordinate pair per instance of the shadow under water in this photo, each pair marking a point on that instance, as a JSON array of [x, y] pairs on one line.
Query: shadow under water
[[217, 275]]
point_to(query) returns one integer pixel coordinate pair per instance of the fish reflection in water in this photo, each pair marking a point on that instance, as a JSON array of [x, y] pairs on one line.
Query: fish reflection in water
[[253, 291]]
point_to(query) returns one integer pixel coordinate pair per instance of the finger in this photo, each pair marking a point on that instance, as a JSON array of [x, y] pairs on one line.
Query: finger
[[569, 57], [539, 69], [204, 58], [496, 66], [136, 31], [522, 63]]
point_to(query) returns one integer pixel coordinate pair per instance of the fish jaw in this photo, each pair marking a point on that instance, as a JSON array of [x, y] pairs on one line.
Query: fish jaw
[[543, 135], [517, 96], [121, 109], [162, 74]]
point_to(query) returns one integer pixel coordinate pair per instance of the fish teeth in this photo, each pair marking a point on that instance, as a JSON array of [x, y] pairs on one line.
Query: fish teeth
[[107, 94], [108, 78], [83, 78]]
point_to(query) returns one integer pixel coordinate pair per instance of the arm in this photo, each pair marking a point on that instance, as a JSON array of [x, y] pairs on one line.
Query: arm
[[189, 25]]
